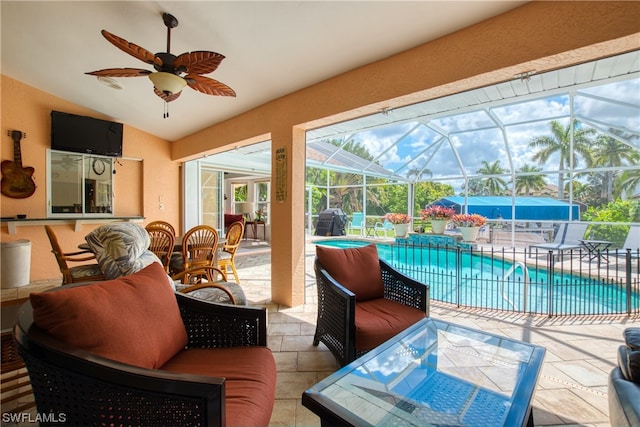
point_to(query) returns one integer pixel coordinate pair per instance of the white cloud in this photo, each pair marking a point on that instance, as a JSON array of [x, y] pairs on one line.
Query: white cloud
[[619, 109], [522, 123], [542, 109]]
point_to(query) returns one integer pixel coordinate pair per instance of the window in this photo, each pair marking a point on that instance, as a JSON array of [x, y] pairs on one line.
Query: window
[[239, 197], [203, 198], [264, 196], [79, 184]]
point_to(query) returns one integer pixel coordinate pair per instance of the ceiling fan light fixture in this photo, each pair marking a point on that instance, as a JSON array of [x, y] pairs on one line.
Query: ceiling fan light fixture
[[167, 82]]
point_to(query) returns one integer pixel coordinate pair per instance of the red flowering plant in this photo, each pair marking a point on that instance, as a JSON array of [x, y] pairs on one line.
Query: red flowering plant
[[437, 212], [397, 218], [469, 220]]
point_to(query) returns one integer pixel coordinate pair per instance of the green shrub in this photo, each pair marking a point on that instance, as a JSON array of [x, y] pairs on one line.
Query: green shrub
[[616, 211]]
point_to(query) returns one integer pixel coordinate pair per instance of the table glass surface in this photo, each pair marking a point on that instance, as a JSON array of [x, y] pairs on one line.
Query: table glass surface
[[439, 373]]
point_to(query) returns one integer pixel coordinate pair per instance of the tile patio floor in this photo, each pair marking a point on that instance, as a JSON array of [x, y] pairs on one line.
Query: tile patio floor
[[572, 389]]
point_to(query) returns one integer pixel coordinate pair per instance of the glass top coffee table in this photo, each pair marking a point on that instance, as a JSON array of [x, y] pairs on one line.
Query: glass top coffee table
[[433, 373]]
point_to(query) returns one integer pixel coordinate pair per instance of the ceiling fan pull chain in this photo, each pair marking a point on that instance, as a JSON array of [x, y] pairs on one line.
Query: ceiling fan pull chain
[[166, 110]]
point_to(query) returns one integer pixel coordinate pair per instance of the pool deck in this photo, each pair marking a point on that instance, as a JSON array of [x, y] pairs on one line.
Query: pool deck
[[572, 388]]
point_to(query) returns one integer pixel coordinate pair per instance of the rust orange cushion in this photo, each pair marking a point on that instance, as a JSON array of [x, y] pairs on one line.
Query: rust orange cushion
[[380, 319], [250, 379], [133, 319], [357, 269]]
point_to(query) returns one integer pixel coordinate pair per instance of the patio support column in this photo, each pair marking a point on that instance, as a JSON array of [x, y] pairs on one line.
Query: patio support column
[[364, 204], [411, 201], [287, 216], [571, 165]]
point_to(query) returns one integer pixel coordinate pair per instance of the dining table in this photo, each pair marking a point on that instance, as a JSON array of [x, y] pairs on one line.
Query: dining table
[[177, 251], [176, 248]]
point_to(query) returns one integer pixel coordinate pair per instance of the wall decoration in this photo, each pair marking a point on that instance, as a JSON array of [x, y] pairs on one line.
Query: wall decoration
[[281, 175], [17, 181], [98, 166]]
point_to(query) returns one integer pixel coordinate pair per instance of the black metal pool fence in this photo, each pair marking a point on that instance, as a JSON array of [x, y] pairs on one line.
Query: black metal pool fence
[[576, 282]]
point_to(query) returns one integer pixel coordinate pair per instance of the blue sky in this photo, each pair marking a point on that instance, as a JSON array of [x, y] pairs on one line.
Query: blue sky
[[615, 103]]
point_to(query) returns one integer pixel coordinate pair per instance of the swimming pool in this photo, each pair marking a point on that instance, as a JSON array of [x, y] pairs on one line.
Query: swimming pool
[[484, 279]]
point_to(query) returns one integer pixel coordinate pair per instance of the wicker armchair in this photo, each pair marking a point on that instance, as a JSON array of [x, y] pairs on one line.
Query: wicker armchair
[[336, 326], [91, 390]]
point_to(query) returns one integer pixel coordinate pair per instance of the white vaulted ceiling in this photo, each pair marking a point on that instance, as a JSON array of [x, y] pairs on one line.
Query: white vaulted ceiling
[[272, 48]]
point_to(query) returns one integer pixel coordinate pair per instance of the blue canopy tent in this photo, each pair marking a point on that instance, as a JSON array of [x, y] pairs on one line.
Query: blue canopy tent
[[527, 208]]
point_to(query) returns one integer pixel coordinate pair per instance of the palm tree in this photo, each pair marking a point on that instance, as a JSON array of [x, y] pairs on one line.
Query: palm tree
[[560, 143], [418, 174], [346, 192], [610, 152], [526, 183], [475, 188], [628, 181], [493, 185]]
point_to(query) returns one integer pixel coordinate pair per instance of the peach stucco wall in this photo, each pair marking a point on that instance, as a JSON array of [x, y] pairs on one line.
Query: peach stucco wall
[[537, 36], [138, 185]]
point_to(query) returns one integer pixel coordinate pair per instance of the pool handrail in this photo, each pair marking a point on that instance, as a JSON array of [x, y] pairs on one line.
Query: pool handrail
[[525, 278]]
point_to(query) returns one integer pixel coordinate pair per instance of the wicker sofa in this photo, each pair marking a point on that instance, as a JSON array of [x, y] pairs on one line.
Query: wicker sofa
[[148, 356]]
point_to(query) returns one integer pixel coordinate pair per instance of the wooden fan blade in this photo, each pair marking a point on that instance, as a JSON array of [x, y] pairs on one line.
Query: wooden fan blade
[[167, 97], [198, 62], [131, 48], [208, 86], [120, 72]]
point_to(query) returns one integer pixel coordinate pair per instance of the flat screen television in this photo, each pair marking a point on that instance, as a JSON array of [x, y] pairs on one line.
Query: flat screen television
[[81, 134]]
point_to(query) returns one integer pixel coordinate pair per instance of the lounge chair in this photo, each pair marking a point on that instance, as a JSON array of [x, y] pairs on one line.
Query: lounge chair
[[357, 223], [632, 243], [568, 237], [382, 227]]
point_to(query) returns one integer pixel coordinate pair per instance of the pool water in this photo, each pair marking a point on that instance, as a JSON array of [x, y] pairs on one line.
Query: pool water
[[468, 278]]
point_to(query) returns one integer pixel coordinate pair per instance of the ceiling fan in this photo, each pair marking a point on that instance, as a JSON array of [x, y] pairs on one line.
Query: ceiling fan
[[172, 73], [66, 161]]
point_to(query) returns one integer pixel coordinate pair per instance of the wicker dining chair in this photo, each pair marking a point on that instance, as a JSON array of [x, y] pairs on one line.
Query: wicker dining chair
[[227, 257], [162, 243], [79, 273], [198, 249], [162, 224]]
